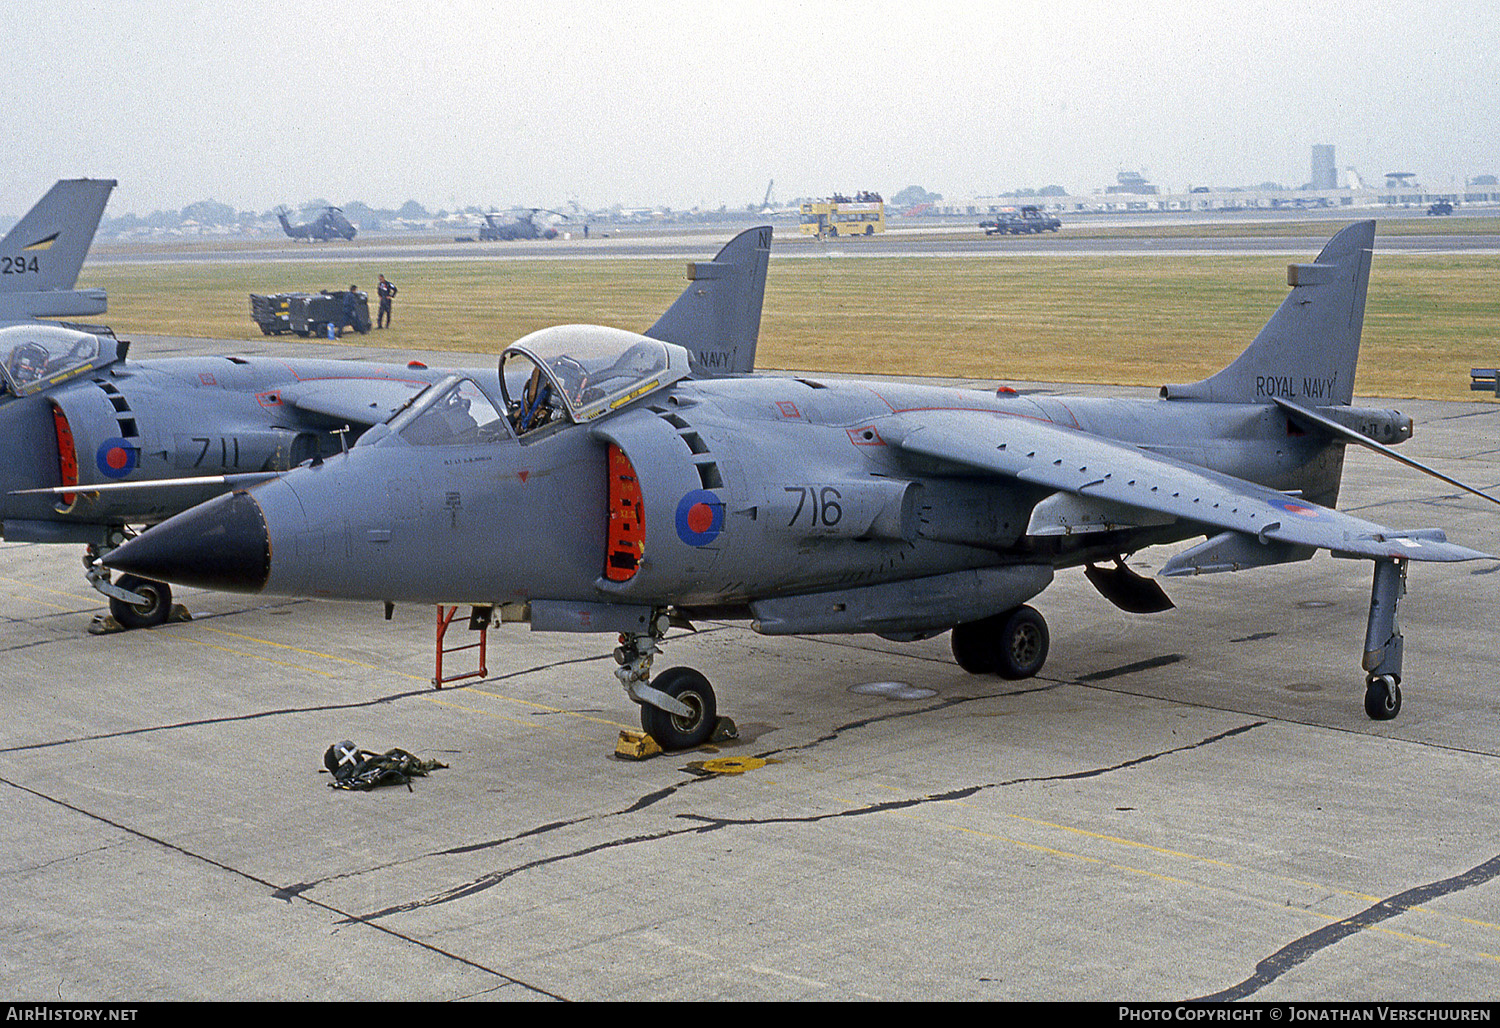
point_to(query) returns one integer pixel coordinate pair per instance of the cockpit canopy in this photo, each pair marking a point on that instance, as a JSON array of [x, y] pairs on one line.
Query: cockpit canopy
[[578, 372], [451, 412], [35, 357]]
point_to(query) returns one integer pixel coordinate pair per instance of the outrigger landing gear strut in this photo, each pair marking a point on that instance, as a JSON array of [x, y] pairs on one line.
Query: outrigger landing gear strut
[[1383, 643]]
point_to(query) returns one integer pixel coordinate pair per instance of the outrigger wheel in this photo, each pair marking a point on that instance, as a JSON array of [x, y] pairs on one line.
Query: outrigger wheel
[[154, 611], [1382, 697], [1012, 644], [673, 731]]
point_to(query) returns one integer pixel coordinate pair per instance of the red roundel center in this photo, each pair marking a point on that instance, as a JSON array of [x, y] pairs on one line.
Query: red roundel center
[[117, 458], [700, 518]]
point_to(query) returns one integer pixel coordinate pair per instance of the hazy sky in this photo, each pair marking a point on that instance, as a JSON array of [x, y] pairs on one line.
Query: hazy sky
[[522, 103]]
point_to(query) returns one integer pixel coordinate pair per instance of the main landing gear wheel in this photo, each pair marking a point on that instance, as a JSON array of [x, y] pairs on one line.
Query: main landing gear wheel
[[153, 612], [673, 731], [971, 646], [1382, 697], [1012, 645]]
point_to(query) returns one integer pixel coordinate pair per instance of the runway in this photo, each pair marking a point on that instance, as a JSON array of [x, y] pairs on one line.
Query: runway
[[631, 243], [1186, 805]]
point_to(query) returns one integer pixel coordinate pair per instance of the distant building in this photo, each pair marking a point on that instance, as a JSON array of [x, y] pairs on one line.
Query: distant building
[[1325, 174], [1132, 182]]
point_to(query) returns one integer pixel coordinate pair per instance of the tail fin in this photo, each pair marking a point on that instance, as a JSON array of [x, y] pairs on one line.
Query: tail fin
[[718, 317], [1307, 352], [41, 256]]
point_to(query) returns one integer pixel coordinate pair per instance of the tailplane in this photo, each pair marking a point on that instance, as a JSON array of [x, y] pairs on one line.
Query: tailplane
[[1307, 352], [41, 256], [717, 318]]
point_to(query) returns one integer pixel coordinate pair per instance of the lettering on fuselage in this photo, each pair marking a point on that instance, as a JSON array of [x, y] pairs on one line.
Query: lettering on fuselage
[[1287, 386], [716, 358]]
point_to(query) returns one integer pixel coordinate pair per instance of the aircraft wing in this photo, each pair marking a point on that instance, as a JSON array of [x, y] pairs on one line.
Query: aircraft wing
[[1132, 486], [363, 401]]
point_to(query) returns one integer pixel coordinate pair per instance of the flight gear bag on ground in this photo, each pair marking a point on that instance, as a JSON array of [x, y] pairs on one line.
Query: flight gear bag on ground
[[354, 768]]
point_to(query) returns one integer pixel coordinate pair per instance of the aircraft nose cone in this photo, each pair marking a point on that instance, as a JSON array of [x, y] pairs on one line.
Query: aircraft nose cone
[[222, 544]]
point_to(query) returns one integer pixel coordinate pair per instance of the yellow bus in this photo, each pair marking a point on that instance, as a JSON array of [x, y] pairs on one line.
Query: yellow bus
[[864, 215]]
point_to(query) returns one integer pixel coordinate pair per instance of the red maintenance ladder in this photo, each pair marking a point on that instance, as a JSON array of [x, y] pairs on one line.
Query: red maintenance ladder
[[479, 621]]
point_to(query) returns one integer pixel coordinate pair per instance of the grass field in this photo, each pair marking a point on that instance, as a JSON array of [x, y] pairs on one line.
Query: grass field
[[1123, 320]]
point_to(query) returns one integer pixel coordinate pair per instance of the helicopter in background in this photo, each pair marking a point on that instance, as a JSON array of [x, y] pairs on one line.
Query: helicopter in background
[[523, 227], [331, 224]]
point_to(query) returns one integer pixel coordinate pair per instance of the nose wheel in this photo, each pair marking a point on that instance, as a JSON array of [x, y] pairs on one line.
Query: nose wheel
[[682, 731], [155, 604]]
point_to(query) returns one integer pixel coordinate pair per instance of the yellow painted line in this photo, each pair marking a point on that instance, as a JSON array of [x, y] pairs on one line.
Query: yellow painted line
[[786, 975], [242, 653], [1117, 840], [1102, 837], [1367, 898], [1065, 854], [95, 597], [45, 603], [1329, 918], [551, 710], [1126, 868], [1196, 858], [490, 713], [311, 653], [431, 697], [1173, 880]]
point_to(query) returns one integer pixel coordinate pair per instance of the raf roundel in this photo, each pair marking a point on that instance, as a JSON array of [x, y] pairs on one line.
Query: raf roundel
[[116, 458], [700, 518], [1302, 510]]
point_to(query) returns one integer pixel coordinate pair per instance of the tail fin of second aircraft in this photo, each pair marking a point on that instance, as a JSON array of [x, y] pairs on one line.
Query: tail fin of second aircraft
[[1307, 352], [717, 318], [41, 256]]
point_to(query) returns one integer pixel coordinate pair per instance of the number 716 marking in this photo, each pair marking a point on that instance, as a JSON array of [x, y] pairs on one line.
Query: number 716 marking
[[821, 505]]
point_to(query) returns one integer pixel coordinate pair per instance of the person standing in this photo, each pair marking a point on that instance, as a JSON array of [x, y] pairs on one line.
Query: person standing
[[350, 311], [386, 291]]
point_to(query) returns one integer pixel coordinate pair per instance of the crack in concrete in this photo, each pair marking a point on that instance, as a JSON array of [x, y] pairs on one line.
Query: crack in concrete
[[1301, 950], [971, 790], [296, 890], [706, 824]]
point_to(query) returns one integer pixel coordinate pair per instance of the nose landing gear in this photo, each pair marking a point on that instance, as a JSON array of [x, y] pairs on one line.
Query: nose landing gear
[[134, 602], [679, 710]]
